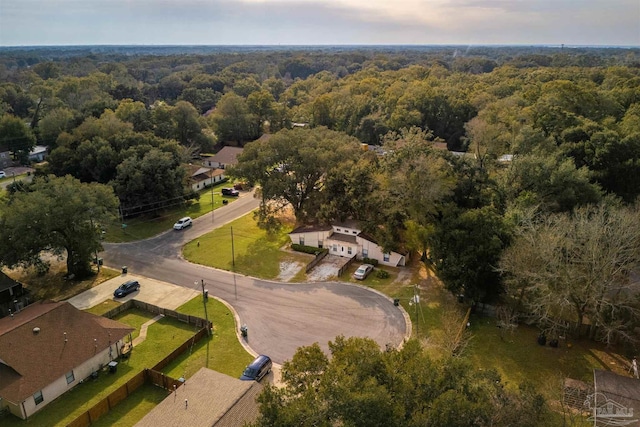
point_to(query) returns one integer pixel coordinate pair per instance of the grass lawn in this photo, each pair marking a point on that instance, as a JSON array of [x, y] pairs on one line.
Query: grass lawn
[[103, 307], [518, 357], [132, 409], [145, 226], [256, 252], [162, 338], [222, 352], [53, 286]]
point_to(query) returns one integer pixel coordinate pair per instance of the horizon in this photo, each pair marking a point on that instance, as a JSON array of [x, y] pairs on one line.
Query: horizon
[[399, 45]]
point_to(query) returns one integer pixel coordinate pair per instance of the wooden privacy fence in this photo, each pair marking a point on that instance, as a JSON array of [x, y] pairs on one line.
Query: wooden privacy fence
[[151, 376], [132, 303], [161, 380], [319, 257], [105, 405], [344, 267], [181, 349]]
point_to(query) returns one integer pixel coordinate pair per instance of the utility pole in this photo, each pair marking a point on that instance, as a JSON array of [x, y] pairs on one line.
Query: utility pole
[[416, 298], [212, 205], [233, 255]]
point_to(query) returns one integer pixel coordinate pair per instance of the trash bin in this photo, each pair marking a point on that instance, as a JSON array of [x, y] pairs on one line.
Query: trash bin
[[100, 261], [244, 330], [396, 301], [542, 339], [124, 269], [113, 367], [225, 201]]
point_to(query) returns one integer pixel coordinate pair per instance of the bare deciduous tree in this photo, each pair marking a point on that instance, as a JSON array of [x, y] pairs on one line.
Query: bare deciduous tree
[[579, 267]]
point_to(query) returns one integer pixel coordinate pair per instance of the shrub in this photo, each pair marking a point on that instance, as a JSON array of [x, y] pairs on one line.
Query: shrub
[[382, 274], [307, 249], [371, 261]]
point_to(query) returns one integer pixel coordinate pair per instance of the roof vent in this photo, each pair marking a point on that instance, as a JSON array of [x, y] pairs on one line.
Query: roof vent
[[36, 330]]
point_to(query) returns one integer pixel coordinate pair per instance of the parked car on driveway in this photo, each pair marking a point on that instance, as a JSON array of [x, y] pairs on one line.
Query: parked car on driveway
[[183, 223], [2, 174], [230, 192], [257, 369], [363, 271], [126, 288]]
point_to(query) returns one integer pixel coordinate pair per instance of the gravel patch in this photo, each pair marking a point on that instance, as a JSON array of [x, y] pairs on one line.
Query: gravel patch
[[288, 270], [322, 272]]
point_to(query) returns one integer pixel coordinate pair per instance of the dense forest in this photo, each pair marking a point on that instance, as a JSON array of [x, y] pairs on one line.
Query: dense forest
[[487, 150]]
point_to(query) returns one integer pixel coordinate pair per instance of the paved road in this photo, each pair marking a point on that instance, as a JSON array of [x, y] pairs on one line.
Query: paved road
[[18, 175], [281, 317]]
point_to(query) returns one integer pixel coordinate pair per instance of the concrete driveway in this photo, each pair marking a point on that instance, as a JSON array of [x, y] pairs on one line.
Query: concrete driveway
[[151, 291]]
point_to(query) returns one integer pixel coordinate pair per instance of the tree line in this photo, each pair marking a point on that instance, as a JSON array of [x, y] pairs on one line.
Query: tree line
[[545, 132]]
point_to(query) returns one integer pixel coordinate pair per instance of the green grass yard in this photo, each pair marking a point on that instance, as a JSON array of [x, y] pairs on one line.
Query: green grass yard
[[255, 252], [222, 352], [132, 409]]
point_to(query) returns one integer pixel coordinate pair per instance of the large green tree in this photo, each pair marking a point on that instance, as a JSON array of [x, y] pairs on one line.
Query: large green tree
[[465, 249], [291, 167], [360, 385], [233, 120], [17, 137], [152, 180], [60, 215]]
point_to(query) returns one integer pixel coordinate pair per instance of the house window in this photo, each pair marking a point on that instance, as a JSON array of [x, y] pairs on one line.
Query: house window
[[320, 244], [349, 250], [37, 397], [70, 377], [354, 232], [385, 257], [365, 253], [301, 240], [337, 229], [335, 248]]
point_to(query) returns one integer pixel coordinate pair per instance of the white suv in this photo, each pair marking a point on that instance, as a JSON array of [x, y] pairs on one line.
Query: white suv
[[183, 223], [2, 174]]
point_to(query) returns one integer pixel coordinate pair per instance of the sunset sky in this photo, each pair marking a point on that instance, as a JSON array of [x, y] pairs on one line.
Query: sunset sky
[[314, 22]]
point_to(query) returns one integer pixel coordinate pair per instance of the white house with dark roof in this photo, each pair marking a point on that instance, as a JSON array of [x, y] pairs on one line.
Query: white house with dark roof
[[227, 156], [346, 240], [203, 177], [48, 348]]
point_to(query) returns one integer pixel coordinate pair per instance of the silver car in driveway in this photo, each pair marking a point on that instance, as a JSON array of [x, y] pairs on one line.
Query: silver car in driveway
[[363, 271]]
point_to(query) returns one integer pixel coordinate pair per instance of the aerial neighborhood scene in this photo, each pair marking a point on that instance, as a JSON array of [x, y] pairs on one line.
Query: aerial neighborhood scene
[[287, 213]]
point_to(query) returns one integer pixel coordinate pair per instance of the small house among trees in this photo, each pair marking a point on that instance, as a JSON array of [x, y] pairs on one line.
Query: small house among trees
[[346, 239], [227, 156]]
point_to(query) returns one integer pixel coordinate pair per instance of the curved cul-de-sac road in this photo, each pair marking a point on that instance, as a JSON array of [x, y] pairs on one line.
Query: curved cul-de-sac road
[[280, 316]]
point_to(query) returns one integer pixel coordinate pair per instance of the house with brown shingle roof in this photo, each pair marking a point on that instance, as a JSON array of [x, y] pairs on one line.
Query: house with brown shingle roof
[[207, 399], [48, 348], [227, 156], [346, 239]]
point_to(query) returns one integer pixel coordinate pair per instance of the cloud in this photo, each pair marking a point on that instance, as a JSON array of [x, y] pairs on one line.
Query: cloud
[[24, 22]]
